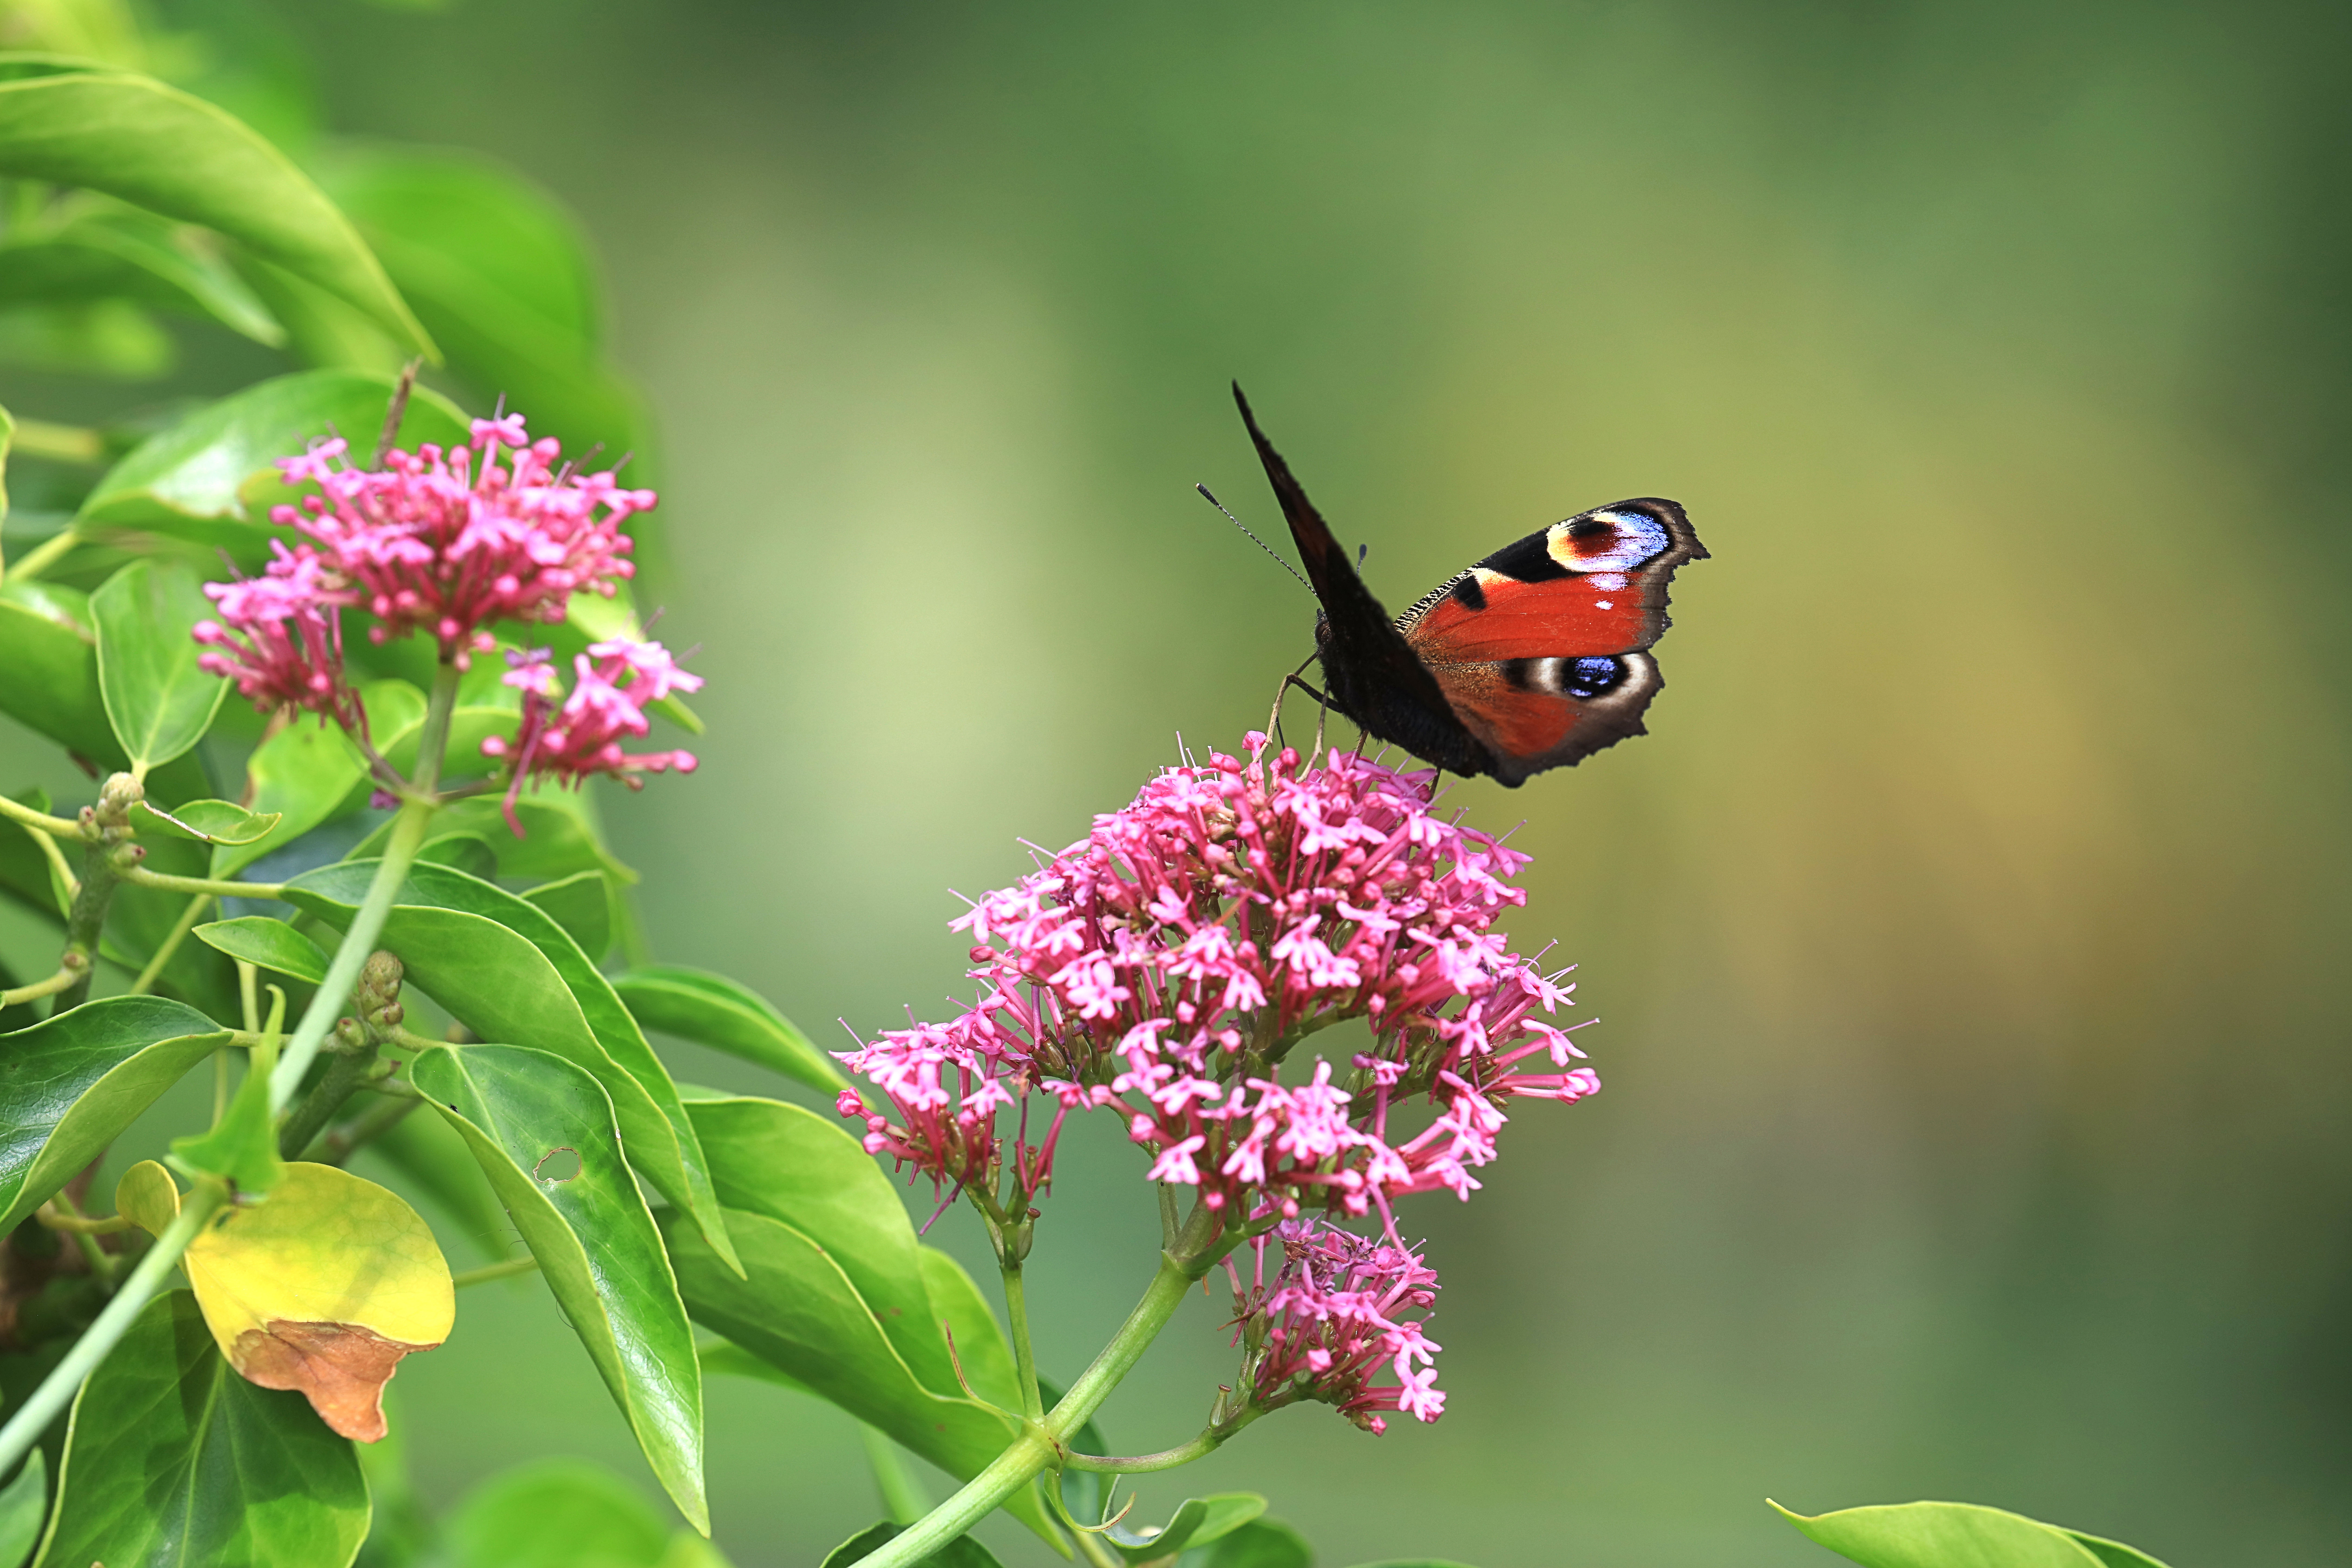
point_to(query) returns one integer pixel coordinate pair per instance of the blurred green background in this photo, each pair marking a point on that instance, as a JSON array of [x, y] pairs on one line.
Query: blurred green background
[[1968, 936]]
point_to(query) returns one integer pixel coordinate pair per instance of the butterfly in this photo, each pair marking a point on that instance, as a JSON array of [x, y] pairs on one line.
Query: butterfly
[[1536, 657]]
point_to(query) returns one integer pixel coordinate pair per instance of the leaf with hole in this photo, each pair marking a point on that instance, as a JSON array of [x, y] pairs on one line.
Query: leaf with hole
[[161, 149], [160, 702], [71, 1085], [712, 1010], [173, 1459], [594, 1239], [507, 972]]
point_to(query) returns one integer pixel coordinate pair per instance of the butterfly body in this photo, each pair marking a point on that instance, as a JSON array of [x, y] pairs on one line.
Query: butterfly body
[[1534, 659]]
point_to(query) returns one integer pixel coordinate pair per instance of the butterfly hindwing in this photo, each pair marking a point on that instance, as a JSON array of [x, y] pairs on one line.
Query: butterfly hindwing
[[1540, 648]]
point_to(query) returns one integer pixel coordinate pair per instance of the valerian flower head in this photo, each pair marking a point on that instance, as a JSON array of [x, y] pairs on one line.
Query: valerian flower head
[[1341, 1310], [280, 639], [1168, 965], [573, 738], [448, 542]]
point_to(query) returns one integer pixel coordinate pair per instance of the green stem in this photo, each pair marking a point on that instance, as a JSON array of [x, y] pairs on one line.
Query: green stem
[[1040, 1447], [59, 826], [45, 554], [86, 1232], [63, 443], [359, 941], [1024, 1360], [140, 876], [57, 1390], [489, 1271], [171, 945], [346, 1070], [85, 920], [903, 1498], [66, 975], [1207, 1443]]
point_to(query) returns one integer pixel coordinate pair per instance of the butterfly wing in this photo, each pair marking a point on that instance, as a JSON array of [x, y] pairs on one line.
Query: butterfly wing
[[1372, 674], [1540, 649]]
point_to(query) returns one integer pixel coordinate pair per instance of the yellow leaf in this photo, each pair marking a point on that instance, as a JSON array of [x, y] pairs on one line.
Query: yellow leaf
[[324, 1288], [148, 1197]]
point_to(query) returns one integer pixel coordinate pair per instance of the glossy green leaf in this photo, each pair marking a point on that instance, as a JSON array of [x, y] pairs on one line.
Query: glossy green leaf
[[268, 945], [1260, 1544], [211, 477], [161, 149], [24, 1505], [1943, 1535], [1196, 1522], [241, 1148], [963, 1551], [172, 1459], [205, 822], [467, 852], [712, 1010], [70, 1085], [797, 1309], [501, 275], [581, 904], [520, 1111], [50, 650], [159, 701], [507, 972], [101, 250], [556, 1514]]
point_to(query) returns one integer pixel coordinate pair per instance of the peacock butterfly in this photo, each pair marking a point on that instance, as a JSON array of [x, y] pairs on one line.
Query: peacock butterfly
[[1536, 657]]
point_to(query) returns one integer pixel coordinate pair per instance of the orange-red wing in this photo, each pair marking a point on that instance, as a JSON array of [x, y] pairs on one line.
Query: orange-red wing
[[1566, 617], [1515, 723]]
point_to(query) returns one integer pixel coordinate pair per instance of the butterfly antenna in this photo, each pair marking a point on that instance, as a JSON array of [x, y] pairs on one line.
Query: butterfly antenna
[[1253, 538]]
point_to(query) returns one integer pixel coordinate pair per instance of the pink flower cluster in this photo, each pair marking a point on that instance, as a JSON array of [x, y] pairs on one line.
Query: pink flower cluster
[[288, 645], [572, 738], [1166, 965], [444, 542], [1335, 1316], [448, 543]]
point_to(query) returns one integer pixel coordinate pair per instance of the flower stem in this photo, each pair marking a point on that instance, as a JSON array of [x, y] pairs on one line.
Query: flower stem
[[1040, 1447], [43, 1406], [1025, 1359], [1207, 1443], [58, 827], [140, 876], [170, 945]]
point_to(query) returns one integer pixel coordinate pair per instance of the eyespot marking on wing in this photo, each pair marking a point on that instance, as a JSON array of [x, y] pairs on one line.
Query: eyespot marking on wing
[[1611, 542]]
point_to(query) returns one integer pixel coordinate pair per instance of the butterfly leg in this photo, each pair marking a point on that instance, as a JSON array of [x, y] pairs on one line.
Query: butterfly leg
[[1274, 718]]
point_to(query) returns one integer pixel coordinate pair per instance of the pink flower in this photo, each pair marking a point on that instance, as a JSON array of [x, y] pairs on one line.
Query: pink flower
[[1341, 1310], [570, 739], [280, 637], [448, 543], [1171, 965]]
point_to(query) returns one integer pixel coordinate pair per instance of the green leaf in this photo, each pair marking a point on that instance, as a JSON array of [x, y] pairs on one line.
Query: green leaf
[[712, 1010], [111, 338], [1260, 1544], [241, 1146], [159, 148], [207, 821], [467, 852], [561, 836], [581, 904], [501, 275], [437, 1164], [594, 1238], [268, 945], [1942, 1535], [211, 477], [23, 1504], [1197, 1522], [556, 1514], [963, 1551], [171, 1459], [7, 437], [104, 251], [507, 972], [160, 702], [796, 1307], [2114, 1554], [71, 1084], [50, 652]]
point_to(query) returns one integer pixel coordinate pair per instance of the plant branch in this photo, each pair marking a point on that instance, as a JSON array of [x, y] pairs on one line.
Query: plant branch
[[44, 555], [45, 1404], [1209, 1440], [140, 876], [71, 968], [58, 827], [170, 945]]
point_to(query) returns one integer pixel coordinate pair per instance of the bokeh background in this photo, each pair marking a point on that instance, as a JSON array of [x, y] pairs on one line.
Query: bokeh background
[[1968, 937]]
